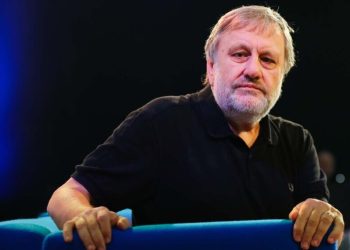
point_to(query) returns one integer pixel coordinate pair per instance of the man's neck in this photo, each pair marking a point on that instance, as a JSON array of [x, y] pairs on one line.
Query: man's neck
[[247, 132]]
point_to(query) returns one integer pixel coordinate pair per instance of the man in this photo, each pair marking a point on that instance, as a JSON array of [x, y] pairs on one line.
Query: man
[[212, 155]]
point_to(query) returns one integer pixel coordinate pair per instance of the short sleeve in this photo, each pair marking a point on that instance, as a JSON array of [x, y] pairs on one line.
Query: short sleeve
[[311, 180], [120, 173]]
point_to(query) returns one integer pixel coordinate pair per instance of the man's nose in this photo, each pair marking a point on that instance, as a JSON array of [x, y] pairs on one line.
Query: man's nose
[[252, 71]]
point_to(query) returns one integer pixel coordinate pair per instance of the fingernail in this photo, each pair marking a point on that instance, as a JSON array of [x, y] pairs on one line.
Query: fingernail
[[108, 239], [305, 245], [67, 238], [91, 247], [123, 224], [314, 243], [297, 238], [331, 240]]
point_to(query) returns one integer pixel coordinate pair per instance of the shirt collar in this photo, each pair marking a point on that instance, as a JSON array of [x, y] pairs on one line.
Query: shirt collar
[[211, 115], [268, 131], [216, 124]]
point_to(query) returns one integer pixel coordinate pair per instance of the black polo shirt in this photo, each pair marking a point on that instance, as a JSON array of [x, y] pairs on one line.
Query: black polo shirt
[[176, 160]]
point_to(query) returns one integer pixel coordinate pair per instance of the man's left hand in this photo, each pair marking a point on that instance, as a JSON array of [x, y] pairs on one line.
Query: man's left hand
[[312, 219]]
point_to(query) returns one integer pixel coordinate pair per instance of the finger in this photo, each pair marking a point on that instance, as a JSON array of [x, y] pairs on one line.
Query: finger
[[311, 227], [338, 230], [120, 222], [68, 231], [315, 228], [95, 231], [294, 213], [326, 220], [104, 219], [300, 223], [123, 223], [83, 232]]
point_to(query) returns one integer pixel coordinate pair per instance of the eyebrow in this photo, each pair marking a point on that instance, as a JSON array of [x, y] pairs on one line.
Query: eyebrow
[[263, 52], [238, 46]]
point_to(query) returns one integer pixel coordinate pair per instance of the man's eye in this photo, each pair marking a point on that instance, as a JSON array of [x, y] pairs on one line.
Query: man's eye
[[239, 54], [267, 60]]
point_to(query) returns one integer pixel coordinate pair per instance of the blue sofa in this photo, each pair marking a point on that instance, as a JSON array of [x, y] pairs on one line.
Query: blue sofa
[[41, 233], [28, 234], [259, 234]]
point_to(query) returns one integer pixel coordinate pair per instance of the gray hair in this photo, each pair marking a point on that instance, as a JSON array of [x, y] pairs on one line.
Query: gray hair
[[261, 17]]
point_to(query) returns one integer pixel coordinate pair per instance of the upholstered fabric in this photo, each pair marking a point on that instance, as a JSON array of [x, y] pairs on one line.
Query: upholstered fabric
[[258, 234], [25, 234], [42, 234], [29, 233]]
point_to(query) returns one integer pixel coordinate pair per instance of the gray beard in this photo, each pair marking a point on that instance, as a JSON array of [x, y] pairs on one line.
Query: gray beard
[[246, 112]]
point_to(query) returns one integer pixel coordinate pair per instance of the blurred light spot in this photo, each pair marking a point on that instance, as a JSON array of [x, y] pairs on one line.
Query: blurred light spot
[[340, 178]]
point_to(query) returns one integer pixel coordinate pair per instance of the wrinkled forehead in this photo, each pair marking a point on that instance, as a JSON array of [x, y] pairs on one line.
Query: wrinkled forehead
[[260, 27]]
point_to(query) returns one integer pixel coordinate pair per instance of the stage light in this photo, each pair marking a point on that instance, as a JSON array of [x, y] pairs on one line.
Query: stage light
[[7, 96]]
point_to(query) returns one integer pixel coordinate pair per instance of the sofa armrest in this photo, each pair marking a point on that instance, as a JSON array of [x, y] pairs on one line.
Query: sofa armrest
[[253, 234], [25, 233]]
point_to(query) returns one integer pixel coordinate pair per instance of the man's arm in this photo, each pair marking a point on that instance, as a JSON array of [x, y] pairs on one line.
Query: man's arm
[[71, 209]]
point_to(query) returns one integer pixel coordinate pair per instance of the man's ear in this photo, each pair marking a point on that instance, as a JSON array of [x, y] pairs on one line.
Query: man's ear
[[210, 71]]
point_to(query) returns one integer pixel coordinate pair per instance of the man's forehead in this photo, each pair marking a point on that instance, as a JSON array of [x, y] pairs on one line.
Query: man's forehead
[[271, 37], [261, 28]]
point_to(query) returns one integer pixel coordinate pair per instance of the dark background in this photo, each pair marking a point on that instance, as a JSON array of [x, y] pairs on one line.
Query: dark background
[[82, 66]]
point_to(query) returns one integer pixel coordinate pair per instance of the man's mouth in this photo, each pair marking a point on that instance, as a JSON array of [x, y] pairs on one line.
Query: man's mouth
[[249, 87]]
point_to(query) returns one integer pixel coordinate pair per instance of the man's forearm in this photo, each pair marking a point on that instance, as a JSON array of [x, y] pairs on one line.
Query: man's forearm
[[68, 201]]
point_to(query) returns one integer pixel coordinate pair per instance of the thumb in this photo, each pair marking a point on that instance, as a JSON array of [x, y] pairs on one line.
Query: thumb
[[120, 222], [123, 223], [293, 215]]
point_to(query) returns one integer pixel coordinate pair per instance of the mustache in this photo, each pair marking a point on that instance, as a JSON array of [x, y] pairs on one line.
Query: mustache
[[249, 84]]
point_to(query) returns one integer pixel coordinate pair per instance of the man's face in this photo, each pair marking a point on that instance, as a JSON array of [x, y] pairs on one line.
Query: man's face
[[247, 72]]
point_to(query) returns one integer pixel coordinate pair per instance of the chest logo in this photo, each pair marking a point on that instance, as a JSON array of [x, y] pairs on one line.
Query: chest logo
[[291, 187]]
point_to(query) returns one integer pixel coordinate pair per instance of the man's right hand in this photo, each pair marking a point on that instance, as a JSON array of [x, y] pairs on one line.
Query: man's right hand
[[94, 227]]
